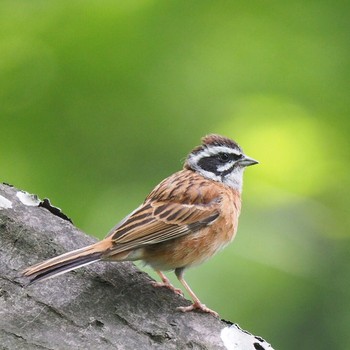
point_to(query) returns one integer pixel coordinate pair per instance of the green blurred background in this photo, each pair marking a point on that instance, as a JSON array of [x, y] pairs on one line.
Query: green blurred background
[[100, 100]]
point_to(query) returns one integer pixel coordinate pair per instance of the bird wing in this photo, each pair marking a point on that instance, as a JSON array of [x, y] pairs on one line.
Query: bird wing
[[163, 217]]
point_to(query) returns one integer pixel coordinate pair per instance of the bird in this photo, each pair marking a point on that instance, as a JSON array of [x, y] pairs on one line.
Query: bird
[[186, 219]]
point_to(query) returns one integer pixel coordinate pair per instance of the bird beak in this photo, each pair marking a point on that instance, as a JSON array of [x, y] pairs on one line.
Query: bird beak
[[246, 161]]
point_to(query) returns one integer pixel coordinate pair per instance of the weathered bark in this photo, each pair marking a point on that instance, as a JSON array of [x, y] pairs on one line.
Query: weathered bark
[[101, 306]]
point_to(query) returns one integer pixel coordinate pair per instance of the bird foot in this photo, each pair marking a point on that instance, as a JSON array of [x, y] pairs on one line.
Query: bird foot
[[198, 306], [169, 286]]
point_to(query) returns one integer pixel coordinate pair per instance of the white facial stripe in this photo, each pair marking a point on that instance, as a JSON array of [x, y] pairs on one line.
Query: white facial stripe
[[210, 175], [210, 151], [222, 149], [225, 166], [234, 179], [225, 172]]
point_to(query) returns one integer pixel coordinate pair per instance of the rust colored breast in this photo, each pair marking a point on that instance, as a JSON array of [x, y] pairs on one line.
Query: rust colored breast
[[198, 246]]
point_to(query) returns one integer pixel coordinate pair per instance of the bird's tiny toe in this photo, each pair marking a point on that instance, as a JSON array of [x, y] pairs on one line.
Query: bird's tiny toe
[[178, 291], [199, 307], [169, 286]]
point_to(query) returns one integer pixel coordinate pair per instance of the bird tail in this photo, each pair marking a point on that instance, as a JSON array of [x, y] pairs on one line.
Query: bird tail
[[64, 263]]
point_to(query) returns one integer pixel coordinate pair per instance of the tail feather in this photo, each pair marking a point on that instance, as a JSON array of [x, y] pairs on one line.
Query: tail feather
[[63, 263]]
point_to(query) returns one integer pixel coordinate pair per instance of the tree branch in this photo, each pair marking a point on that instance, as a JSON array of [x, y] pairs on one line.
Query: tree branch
[[102, 306]]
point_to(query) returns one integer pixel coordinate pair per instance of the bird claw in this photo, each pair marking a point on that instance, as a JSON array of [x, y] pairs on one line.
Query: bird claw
[[169, 286], [197, 306]]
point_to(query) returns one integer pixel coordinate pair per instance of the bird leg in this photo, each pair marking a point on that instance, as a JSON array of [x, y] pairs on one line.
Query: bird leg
[[197, 305], [166, 283]]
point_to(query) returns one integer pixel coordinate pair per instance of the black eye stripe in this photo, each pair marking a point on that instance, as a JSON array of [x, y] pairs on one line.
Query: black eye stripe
[[214, 162], [227, 157], [209, 164]]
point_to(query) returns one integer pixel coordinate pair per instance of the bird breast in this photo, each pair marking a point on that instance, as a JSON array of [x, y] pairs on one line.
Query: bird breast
[[199, 246]]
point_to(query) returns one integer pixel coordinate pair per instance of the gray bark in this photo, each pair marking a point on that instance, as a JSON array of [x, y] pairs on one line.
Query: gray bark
[[101, 306]]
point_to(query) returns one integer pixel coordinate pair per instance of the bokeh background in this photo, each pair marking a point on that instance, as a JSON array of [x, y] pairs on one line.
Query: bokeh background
[[100, 100]]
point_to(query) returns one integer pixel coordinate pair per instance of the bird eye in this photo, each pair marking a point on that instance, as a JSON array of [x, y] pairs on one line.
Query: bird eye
[[224, 157]]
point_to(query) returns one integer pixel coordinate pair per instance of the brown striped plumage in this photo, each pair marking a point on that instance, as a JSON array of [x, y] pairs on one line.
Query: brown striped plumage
[[184, 221]]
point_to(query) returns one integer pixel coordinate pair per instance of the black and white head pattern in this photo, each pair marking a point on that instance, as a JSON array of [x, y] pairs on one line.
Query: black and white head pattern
[[219, 159]]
